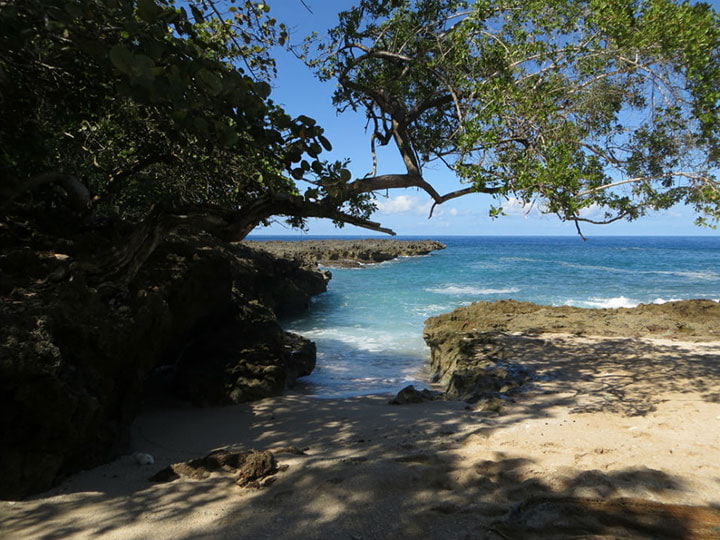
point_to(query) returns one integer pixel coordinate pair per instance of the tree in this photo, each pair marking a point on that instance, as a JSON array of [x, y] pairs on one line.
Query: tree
[[565, 104], [158, 114]]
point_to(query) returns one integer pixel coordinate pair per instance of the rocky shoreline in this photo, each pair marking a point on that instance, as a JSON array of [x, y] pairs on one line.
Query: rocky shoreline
[[79, 356], [471, 358], [573, 412], [346, 253]]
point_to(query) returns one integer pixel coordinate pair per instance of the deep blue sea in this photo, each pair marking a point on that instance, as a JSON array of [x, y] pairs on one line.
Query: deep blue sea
[[368, 325]]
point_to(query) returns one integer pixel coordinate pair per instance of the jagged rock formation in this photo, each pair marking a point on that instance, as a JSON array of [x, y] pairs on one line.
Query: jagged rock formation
[[347, 253], [470, 360], [76, 357]]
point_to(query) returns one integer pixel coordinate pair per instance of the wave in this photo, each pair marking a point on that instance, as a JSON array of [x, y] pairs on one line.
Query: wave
[[458, 290], [601, 303], [359, 339], [521, 259], [699, 275], [663, 301], [621, 302], [432, 309], [708, 276], [603, 268]]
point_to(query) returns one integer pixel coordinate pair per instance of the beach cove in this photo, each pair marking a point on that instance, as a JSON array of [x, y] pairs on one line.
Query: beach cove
[[607, 426]]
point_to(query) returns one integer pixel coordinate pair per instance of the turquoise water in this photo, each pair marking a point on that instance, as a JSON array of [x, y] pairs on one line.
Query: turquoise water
[[368, 326]]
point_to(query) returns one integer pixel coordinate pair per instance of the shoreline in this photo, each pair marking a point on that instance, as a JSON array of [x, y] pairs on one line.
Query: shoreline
[[440, 469]]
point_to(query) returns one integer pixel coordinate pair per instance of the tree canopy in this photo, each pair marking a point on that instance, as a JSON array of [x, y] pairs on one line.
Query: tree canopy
[[565, 104], [127, 107], [132, 106]]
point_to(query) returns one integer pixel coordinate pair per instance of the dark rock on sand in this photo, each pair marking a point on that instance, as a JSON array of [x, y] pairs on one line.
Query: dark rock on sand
[[250, 469], [410, 394], [347, 253], [469, 359]]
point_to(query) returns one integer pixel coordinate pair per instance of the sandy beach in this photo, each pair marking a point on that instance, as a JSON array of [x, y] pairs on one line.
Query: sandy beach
[[606, 419]]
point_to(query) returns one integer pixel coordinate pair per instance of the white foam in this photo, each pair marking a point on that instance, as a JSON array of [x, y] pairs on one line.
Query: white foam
[[603, 268], [432, 309], [521, 259], [697, 275], [616, 302], [458, 290], [703, 276], [663, 301], [362, 340]]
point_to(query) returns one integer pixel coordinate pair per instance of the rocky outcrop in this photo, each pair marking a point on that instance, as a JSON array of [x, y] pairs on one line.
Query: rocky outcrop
[[253, 469], [410, 394], [470, 360], [347, 253], [76, 358]]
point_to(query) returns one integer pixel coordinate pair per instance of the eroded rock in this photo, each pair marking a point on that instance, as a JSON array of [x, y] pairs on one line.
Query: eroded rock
[[410, 394], [347, 253], [250, 469], [468, 355]]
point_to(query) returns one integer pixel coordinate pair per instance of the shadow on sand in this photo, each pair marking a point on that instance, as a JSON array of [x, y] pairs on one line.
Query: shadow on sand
[[376, 471]]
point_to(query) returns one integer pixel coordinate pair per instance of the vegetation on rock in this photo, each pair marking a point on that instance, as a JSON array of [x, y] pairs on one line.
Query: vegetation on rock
[[79, 360], [140, 110]]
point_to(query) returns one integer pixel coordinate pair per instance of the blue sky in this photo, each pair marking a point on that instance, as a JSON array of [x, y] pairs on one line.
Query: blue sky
[[406, 211]]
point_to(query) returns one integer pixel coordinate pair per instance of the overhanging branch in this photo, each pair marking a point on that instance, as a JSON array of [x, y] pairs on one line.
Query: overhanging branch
[[246, 219]]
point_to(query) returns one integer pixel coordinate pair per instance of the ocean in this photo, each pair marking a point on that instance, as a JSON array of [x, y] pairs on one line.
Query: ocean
[[368, 325]]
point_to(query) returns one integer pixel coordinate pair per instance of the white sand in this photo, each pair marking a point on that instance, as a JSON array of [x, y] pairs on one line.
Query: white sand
[[608, 418]]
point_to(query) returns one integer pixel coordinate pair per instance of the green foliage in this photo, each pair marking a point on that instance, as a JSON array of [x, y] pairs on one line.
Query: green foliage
[[145, 101], [569, 104]]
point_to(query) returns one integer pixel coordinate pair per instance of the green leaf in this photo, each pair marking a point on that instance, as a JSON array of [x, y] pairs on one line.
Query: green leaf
[[212, 83], [326, 144], [197, 13], [263, 89], [314, 149], [306, 120], [74, 10], [122, 59], [148, 10]]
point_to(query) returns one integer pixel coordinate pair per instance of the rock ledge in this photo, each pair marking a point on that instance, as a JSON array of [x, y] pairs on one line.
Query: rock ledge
[[347, 253]]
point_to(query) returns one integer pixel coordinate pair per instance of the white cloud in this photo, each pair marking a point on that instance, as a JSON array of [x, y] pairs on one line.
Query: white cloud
[[403, 204], [453, 212], [515, 207], [594, 211]]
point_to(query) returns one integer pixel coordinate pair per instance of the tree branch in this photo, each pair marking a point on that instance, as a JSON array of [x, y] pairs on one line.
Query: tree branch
[[78, 194], [393, 181], [246, 219], [637, 179]]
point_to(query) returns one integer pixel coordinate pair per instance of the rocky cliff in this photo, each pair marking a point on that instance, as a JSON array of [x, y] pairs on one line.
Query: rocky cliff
[[467, 356], [347, 253], [76, 356]]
